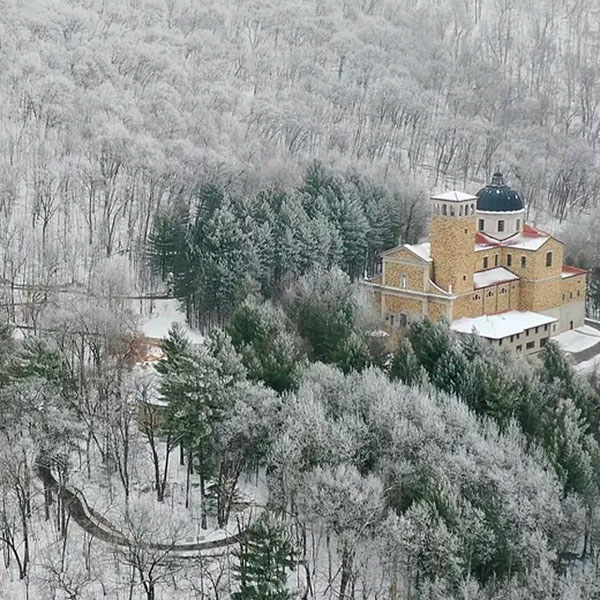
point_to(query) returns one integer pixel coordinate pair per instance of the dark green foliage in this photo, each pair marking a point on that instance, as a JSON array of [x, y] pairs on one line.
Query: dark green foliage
[[269, 352], [554, 407], [265, 556], [321, 306], [430, 342], [405, 364], [222, 248], [175, 346]]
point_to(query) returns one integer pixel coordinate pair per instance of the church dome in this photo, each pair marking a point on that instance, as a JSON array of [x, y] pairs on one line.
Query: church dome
[[498, 197]]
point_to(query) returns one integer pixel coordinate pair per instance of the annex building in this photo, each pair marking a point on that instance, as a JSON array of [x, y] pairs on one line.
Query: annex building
[[484, 270]]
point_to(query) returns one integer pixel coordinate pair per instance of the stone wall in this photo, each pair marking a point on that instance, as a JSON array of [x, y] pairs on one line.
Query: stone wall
[[415, 275], [540, 296], [398, 304], [437, 310], [452, 240], [573, 289]]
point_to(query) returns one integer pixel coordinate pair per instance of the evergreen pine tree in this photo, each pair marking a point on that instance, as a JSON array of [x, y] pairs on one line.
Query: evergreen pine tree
[[265, 556], [405, 364]]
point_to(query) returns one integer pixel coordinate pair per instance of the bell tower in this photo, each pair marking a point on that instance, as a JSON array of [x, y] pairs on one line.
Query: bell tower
[[453, 227]]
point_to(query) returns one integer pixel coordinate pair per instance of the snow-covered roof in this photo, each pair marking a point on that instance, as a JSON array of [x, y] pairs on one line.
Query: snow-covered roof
[[166, 312], [454, 196], [489, 277], [529, 239], [525, 242], [501, 325], [421, 250]]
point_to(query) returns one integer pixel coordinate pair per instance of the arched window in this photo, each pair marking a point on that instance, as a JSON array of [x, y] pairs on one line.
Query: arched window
[[523, 262], [472, 209], [452, 210], [403, 281], [548, 259], [444, 209], [460, 210]]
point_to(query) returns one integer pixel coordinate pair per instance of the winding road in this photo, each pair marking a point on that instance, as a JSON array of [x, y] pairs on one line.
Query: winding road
[[100, 528]]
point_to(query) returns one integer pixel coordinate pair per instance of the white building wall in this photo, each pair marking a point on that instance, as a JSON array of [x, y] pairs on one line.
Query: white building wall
[[513, 223], [519, 343]]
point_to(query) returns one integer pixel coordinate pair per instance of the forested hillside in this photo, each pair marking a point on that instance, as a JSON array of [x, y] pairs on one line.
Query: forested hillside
[[247, 161], [113, 110], [291, 456]]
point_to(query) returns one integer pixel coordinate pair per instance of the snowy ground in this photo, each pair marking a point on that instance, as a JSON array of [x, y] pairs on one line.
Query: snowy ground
[[160, 315], [588, 365], [578, 340]]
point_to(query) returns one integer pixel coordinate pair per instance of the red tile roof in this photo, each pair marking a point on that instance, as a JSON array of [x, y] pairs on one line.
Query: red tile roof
[[573, 270]]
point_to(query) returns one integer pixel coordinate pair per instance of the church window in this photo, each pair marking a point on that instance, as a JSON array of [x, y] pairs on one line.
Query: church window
[[481, 224], [485, 262], [523, 262], [548, 259], [444, 209], [403, 320], [518, 224], [496, 260], [472, 209], [509, 260], [403, 281], [501, 225], [452, 210], [460, 210]]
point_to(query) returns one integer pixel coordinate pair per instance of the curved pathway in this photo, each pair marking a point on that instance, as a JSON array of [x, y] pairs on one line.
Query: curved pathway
[[99, 527]]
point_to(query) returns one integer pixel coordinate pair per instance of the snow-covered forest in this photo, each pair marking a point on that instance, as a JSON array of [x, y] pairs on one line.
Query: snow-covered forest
[[113, 110], [246, 162]]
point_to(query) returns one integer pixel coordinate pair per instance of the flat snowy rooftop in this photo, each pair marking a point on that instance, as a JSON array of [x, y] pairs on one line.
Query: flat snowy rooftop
[[454, 196], [502, 325], [578, 340], [489, 277]]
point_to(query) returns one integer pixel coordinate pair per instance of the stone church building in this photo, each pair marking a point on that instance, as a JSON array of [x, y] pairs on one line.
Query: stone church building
[[486, 271]]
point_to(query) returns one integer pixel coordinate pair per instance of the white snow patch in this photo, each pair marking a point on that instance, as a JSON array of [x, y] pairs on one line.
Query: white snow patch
[[578, 340], [483, 279], [502, 325], [166, 312], [421, 250]]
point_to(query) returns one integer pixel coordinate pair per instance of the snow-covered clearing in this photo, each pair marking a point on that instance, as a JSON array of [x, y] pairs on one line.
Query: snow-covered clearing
[[160, 317]]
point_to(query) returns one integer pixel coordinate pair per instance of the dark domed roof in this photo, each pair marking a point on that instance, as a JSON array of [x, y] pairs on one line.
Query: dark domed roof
[[498, 197]]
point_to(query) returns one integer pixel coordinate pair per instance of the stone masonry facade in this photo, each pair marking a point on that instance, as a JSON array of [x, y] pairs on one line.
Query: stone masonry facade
[[462, 272]]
